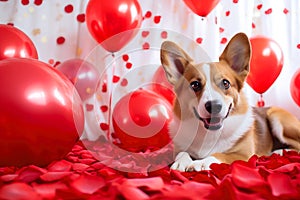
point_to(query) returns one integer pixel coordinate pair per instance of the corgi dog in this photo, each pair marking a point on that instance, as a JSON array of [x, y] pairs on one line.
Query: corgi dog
[[213, 122]]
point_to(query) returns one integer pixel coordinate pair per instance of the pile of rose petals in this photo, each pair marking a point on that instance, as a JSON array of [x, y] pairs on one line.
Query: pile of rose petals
[[81, 176]]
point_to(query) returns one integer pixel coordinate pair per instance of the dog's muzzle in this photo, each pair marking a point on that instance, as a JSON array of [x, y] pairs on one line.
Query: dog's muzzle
[[214, 122]]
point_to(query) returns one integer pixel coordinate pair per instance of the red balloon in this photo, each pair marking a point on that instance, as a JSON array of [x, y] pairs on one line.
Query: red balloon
[[140, 121], [15, 44], [295, 87], [201, 7], [82, 74], [162, 86], [41, 113], [265, 64], [113, 23]]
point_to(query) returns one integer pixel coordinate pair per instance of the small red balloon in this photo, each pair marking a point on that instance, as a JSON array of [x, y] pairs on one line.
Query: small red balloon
[[113, 23], [162, 86], [141, 119], [295, 87], [201, 7], [82, 74], [15, 44], [41, 114], [265, 64]]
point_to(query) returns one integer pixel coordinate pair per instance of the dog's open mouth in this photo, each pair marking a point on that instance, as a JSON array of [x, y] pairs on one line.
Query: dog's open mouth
[[214, 122]]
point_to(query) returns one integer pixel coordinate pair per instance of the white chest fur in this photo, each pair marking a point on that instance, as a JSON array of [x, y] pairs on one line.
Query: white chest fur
[[192, 137]]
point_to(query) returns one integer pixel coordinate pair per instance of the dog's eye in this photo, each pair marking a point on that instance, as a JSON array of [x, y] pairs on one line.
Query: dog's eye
[[196, 86], [225, 84]]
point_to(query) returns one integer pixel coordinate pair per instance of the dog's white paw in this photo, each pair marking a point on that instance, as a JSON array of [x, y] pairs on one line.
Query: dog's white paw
[[204, 164], [182, 161]]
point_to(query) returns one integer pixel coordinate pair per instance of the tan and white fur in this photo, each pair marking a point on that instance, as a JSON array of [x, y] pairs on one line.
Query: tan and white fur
[[213, 121]]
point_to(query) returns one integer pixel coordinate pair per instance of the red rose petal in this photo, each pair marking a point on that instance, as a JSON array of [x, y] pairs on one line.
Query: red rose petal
[[19, 191], [259, 6], [60, 166], [30, 173], [89, 107], [245, 177], [281, 184], [155, 183], [88, 184], [48, 190], [285, 11], [132, 193], [80, 167], [54, 176], [8, 177], [199, 40], [124, 82]]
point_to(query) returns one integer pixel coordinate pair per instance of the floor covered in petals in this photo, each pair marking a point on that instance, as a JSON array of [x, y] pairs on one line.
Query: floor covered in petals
[[96, 170]]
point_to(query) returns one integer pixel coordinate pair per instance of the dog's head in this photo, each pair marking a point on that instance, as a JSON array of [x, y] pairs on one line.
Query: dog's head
[[209, 92]]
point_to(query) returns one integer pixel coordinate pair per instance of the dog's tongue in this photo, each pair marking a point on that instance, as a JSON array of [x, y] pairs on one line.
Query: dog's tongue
[[213, 123]]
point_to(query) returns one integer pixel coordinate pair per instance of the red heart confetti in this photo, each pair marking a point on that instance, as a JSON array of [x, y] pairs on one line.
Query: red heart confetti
[[128, 65], [148, 14], [223, 40], [259, 6], [60, 40], [89, 107], [269, 11], [104, 126], [81, 17], [285, 11], [104, 108], [125, 57], [157, 19], [69, 8], [38, 2], [146, 46], [164, 35], [199, 40], [115, 79], [145, 33], [227, 13], [124, 82]]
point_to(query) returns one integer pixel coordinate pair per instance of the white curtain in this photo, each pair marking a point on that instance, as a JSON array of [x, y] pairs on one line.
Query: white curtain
[[45, 21]]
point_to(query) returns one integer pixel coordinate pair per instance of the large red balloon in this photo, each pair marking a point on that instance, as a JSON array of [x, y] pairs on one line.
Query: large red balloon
[[265, 64], [41, 114], [162, 86], [141, 119], [15, 44], [295, 87], [82, 74], [113, 23], [201, 7]]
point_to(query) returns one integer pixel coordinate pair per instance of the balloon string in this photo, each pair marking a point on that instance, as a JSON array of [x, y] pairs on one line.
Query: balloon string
[[110, 101]]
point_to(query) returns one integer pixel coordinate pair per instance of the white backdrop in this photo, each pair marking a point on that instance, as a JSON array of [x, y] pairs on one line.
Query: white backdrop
[[46, 21]]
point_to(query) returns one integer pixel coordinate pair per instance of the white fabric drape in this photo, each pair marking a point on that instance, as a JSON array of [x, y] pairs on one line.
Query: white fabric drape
[[45, 21]]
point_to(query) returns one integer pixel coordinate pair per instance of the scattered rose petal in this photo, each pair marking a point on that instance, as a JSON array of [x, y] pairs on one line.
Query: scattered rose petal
[[245, 177], [132, 193], [285, 11], [88, 184], [281, 184], [30, 173], [146, 46], [128, 65], [104, 108], [19, 191], [80, 167], [199, 40], [54, 176], [115, 79], [148, 14], [104, 126], [48, 190], [164, 35], [259, 6], [154, 183], [89, 107]]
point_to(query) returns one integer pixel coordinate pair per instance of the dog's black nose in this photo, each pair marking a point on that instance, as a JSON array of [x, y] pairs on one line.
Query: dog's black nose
[[213, 107]]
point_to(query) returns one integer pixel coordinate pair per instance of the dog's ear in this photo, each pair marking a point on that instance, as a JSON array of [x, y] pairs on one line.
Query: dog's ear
[[174, 60], [237, 54]]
